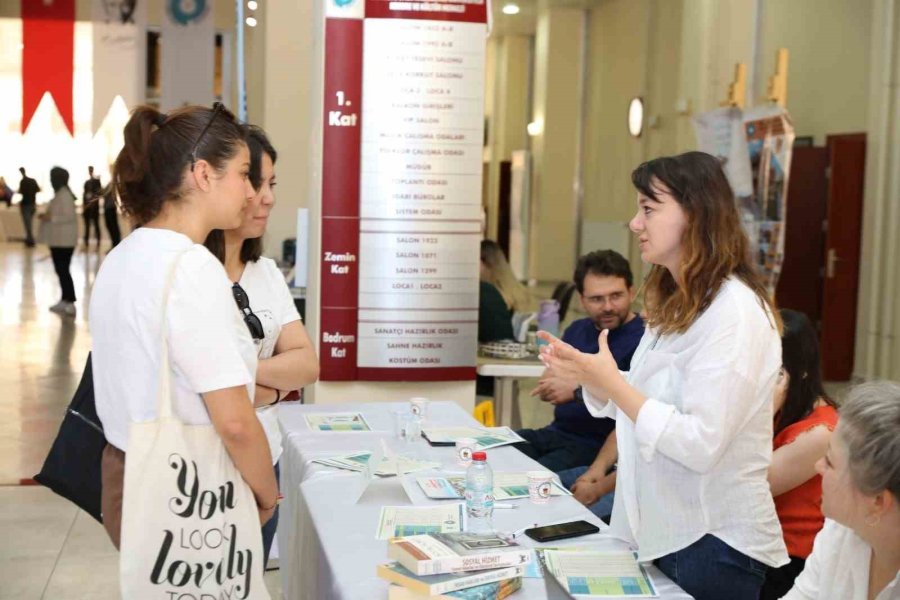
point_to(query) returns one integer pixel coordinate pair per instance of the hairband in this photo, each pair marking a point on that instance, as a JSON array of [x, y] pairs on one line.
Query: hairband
[[160, 119]]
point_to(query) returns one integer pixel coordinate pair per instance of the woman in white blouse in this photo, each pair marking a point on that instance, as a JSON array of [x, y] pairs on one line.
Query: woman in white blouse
[[287, 358], [856, 556], [694, 414]]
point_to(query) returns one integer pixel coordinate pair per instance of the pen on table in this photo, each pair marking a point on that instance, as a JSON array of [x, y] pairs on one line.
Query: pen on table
[[505, 505], [519, 532]]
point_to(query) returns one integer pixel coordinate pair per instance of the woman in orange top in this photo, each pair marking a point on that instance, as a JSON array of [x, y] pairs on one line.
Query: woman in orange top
[[804, 419]]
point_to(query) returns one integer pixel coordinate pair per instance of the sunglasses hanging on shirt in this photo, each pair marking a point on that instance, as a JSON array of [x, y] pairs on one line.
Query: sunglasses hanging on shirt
[[253, 323]]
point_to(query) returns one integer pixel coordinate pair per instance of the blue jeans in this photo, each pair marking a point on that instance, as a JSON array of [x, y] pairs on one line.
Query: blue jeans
[[602, 507], [710, 569], [268, 530]]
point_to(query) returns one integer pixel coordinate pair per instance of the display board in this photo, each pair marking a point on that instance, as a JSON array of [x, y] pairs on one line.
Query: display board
[[401, 189]]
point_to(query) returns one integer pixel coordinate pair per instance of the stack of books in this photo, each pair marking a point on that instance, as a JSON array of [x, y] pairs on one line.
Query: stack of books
[[454, 565]]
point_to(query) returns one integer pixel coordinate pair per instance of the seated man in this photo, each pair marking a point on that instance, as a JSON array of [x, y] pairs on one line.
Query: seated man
[[605, 284]]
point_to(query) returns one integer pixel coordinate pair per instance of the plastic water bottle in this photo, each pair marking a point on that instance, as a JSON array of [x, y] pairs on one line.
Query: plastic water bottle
[[479, 495], [548, 318]]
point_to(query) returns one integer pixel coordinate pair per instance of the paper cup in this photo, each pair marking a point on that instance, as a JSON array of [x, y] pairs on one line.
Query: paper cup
[[464, 449], [419, 406], [540, 486]]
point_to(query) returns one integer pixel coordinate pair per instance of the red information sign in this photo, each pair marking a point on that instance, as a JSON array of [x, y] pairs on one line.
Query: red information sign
[[401, 189]]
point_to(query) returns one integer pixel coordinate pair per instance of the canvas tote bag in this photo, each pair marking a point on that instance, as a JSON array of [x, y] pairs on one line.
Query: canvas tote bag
[[190, 525]]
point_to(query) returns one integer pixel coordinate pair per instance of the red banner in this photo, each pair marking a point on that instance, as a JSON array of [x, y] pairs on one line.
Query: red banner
[[48, 56]]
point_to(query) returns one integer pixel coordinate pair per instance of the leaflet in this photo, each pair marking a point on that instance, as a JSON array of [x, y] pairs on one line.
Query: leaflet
[[595, 574], [387, 468], [337, 422], [402, 521], [486, 437], [507, 486]]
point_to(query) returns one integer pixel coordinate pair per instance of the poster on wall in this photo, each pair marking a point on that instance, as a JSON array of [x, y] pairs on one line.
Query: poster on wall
[[119, 54], [720, 132], [755, 150], [770, 141], [187, 55], [401, 189]]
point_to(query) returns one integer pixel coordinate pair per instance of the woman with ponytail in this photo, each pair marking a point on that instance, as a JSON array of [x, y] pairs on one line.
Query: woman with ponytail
[[179, 176]]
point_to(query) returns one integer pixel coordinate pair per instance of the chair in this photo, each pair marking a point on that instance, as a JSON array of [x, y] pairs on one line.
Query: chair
[[563, 294], [484, 413]]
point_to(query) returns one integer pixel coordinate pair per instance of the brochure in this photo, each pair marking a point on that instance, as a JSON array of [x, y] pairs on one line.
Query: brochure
[[507, 486], [337, 422], [388, 467], [486, 437], [595, 574], [402, 521]]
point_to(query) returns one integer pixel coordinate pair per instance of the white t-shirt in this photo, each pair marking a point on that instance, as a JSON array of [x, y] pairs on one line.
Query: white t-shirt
[[271, 301], [210, 348]]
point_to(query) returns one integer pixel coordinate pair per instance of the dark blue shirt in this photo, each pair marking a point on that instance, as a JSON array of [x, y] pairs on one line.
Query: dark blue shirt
[[573, 417]]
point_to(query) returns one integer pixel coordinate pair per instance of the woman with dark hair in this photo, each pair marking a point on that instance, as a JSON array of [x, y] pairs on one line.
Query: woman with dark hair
[[60, 229], [804, 418], [694, 413], [287, 358], [178, 177]]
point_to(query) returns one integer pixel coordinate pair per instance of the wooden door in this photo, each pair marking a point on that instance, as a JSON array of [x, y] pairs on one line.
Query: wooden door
[[846, 181], [800, 285]]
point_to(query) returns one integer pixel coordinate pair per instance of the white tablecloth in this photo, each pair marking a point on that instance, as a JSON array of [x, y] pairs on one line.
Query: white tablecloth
[[327, 540]]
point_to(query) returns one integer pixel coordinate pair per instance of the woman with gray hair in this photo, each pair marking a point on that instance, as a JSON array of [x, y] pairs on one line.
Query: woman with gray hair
[[856, 556]]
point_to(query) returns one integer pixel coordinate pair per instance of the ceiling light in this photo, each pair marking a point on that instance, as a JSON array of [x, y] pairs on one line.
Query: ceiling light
[[252, 5], [251, 21], [510, 9]]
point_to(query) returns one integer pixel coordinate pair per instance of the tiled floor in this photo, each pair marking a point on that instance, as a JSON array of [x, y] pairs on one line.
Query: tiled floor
[[49, 549]]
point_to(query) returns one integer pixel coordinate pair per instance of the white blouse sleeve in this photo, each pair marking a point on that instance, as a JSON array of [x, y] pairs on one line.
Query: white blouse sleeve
[[807, 584], [718, 398], [598, 408]]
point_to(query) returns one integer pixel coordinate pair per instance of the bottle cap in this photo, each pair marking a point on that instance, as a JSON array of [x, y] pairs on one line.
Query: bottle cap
[[479, 455]]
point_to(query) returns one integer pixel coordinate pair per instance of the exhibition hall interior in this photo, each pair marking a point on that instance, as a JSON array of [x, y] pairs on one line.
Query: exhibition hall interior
[[408, 299]]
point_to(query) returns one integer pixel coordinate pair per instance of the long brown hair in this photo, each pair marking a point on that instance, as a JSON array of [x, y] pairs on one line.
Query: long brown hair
[[714, 245]]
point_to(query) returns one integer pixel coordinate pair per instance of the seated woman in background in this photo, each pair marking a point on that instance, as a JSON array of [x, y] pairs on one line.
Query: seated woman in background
[[856, 556], [500, 295], [804, 419]]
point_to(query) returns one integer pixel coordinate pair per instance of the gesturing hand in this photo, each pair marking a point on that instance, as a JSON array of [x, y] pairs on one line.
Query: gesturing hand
[[555, 390], [597, 372]]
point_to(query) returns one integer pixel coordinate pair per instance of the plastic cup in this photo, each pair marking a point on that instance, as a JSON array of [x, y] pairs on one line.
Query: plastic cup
[[540, 486], [419, 406], [464, 449]]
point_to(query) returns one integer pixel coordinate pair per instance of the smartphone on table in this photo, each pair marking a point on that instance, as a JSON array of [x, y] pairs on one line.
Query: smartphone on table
[[561, 531]]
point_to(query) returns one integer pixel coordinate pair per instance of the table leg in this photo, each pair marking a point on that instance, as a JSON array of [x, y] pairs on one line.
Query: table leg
[[504, 396]]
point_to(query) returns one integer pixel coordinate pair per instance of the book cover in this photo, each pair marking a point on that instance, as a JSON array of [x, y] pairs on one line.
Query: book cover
[[489, 591], [437, 553], [433, 585]]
